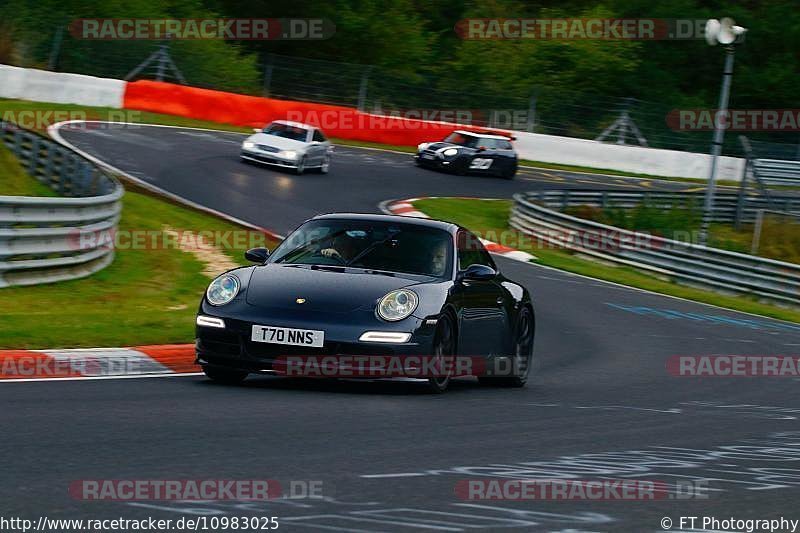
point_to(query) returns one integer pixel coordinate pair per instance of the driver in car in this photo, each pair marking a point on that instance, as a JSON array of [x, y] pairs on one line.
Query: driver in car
[[343, 248]]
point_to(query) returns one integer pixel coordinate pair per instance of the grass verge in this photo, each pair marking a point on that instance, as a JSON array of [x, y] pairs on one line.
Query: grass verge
[[489, 218], [38, 115], [14, 181]]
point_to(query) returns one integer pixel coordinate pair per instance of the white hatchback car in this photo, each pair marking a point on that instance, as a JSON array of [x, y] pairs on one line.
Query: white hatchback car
[[290, 145]]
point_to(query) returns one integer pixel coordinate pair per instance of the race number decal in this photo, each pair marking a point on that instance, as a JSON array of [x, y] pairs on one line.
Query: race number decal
[[481, 163]]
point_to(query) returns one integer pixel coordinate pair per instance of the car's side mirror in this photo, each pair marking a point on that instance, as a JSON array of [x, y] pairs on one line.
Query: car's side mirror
[[256, 130], [314, 143], [481, 148], [257, 255], [478, 273]]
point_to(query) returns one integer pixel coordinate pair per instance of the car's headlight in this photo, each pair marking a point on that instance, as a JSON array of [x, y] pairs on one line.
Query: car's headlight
[[450, 152], [397, 305], [248, 144], [223, 289], [288, 154]]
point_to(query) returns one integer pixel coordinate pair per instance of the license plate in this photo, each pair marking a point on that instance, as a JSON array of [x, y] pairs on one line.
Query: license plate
[[291, 336]]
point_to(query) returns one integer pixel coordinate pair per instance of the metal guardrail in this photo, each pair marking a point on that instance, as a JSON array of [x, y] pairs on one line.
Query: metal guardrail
[[536, 214], [726, 205], [40, 237], [777, 171]]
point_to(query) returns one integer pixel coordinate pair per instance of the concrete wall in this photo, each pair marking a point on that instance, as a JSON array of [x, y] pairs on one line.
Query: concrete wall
[[636, 159], [61, 88]]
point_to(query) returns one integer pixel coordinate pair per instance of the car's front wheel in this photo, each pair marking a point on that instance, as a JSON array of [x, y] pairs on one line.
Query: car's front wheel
[[444, 347], [301, 166], [224, 375], [326, 165]]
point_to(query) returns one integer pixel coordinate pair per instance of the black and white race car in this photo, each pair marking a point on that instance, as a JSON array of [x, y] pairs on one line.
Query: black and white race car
[[466, 151]]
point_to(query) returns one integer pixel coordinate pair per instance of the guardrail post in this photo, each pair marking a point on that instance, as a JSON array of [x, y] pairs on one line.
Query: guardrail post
[[18, 144], [564, 200], [48, 167], [757, 231], [34, 157]]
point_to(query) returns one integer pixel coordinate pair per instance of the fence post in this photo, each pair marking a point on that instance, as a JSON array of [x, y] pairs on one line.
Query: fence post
[[532, 113], [268, 74], [56, 49], [362, 90]]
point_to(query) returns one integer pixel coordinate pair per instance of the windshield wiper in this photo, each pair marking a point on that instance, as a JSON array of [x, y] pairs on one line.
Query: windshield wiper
[[309, 244], [372, 246]]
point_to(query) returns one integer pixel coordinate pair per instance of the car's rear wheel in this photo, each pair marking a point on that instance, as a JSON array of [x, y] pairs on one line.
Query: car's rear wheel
[[522, 359], [226, 376], [444, 348], [301, 166], [510, 172]]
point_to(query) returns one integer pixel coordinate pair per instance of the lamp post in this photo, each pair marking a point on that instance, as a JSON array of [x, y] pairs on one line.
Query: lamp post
[[723, 32]]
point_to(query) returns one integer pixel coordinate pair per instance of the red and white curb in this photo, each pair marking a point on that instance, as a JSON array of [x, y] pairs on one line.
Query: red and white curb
[[97, 363], [406, 208]]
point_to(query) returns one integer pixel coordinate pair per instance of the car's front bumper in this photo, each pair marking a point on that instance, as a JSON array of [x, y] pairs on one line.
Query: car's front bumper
[[269, 158], [431, 159], [232, 347]]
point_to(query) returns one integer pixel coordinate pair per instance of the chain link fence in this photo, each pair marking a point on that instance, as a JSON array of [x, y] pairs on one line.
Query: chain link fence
[[549, 110]]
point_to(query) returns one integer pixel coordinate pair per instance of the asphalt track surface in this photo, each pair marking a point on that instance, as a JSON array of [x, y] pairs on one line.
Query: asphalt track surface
[[601, 403]]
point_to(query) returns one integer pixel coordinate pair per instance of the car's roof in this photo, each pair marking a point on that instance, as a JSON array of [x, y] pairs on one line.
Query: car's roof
[[295, 124], [427, 222], [483, 135]]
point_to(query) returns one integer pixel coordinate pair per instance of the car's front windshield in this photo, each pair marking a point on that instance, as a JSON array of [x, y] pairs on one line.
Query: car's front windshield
[[287, 131], [373, 245], [470, 141]]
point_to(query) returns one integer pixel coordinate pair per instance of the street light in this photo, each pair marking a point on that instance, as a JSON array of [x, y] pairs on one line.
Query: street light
[[726, 33]]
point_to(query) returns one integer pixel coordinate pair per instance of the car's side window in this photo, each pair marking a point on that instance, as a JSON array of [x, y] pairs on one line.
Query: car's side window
[[505, 145], [472, 252], [319, 137]]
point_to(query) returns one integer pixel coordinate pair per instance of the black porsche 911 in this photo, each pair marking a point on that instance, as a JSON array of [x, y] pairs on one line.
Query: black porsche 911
[[464, 152], [348, 288]]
